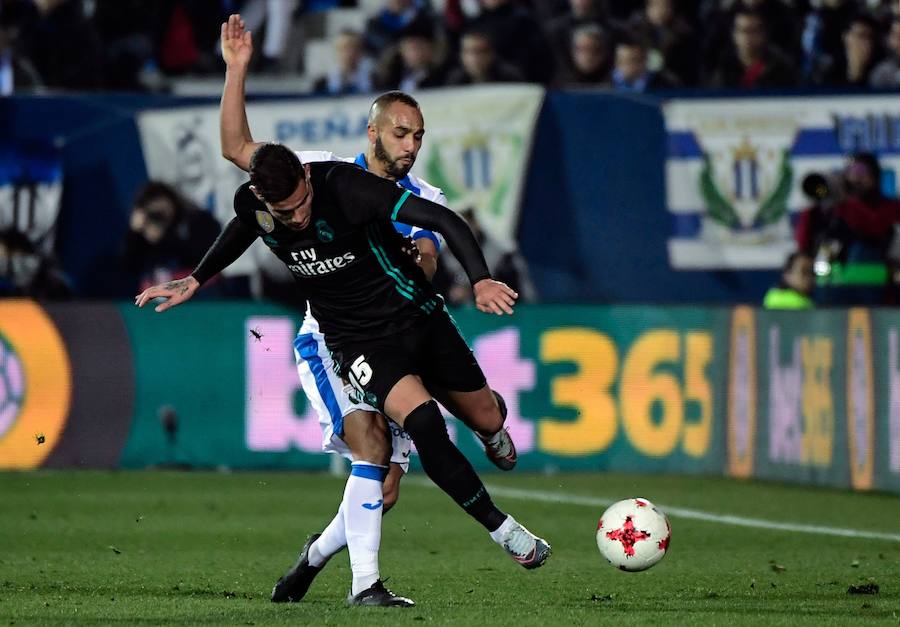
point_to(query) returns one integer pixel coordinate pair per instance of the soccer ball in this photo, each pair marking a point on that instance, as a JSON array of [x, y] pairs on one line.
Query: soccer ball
[[633, 534]]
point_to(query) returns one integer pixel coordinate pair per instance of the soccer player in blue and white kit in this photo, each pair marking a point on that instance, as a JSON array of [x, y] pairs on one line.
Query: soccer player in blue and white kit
[[379, 448]]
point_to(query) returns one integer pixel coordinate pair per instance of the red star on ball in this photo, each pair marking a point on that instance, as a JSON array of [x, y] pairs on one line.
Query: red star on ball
[[628, 536]]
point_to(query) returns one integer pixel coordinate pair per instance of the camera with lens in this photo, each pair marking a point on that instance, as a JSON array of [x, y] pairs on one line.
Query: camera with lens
[[822, 188], [825, 190]]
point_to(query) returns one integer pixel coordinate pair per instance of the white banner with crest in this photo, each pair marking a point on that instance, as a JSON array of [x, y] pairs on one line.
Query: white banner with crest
[[734, 169]]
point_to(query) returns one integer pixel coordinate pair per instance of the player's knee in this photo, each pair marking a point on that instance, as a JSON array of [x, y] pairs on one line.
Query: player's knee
[[375, 444], [489, 413], [425, 423]]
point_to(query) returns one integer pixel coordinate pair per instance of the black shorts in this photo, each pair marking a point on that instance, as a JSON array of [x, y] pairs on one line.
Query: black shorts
[[433, 349]]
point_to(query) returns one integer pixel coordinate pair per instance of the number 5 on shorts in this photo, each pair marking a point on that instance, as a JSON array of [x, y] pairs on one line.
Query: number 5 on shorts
[[360, 373]]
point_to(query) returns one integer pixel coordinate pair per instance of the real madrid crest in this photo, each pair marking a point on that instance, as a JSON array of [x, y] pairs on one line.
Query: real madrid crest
[[266, 221]]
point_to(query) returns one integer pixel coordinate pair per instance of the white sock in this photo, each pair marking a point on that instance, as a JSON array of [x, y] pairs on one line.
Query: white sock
[[332, 540], [363, 507], [498, 533]]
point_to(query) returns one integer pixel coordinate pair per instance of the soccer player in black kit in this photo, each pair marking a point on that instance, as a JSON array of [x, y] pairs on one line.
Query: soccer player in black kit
[[388, 330]]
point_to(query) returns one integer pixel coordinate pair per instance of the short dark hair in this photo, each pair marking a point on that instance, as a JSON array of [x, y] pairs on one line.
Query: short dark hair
[[157, 189], [792, 259], [387, 99], [869, 160], [632, 40], [275, 171], [478, 31], [750, 12], [595, 31], [867, 19]]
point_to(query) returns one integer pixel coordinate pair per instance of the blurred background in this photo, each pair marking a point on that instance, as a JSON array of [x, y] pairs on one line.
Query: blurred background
[[695, 198]]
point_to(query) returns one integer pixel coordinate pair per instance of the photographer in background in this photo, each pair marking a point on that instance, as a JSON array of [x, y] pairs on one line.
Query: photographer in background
[[167, 235], [849, 230]]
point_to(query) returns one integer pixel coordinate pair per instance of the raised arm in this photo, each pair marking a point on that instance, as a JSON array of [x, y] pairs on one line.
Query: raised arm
[[234, 131]]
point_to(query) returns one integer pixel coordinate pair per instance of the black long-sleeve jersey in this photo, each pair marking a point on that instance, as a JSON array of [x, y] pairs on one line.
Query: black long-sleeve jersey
[[349, 260]]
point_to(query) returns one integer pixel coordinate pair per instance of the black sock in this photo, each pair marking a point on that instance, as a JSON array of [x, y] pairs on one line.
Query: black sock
[[449, 468]]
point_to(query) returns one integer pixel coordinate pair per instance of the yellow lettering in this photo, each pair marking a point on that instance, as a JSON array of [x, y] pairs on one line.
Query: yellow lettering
[[641, 388], [698, 349], [587, 391], [817, 406]]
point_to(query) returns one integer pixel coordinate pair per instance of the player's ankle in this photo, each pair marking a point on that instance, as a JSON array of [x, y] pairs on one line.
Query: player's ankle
[[498, 533], [362, 582], [315, 557]]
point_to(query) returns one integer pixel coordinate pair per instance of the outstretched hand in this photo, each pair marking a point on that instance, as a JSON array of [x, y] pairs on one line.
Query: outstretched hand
[[175, 293], [237, 43], [494, 297]]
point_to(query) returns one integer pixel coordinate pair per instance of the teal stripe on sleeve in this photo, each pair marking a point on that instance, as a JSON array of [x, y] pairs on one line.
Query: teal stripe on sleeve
[[404, 286], [399, 204]]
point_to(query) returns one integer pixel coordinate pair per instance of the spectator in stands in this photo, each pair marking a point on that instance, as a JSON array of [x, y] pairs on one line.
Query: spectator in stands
[[591, 59], [17, 72], [561, 29], [167, 235], [417, 63], [858, 58], [26, 271], [127, 30], [385, 28], [782, 20], [353, 70], [186, 34], [505, 265], [887, 73], [794, 291], [853, 236], [517, 38], [631, 72], [277, 15], [671, 41], [479, 63], [823, 33], [63, 45], [752, 62]]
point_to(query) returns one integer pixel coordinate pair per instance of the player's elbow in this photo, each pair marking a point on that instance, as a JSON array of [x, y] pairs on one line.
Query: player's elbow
[[230, 154], [239, 155]]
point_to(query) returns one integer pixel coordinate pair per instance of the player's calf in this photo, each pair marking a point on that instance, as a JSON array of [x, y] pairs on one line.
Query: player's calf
[[447, 467], [499, 447]]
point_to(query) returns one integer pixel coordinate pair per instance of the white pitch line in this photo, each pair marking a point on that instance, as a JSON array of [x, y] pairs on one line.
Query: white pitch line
[[693, 514]]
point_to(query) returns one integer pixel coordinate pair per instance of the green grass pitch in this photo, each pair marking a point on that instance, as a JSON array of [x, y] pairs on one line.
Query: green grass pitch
[[203, 548]]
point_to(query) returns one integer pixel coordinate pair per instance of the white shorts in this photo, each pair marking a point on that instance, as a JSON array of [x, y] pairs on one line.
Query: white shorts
[[330, 397]]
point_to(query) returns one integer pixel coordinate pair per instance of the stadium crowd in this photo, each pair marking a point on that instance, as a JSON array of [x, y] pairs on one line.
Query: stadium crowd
[[409, 44]]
